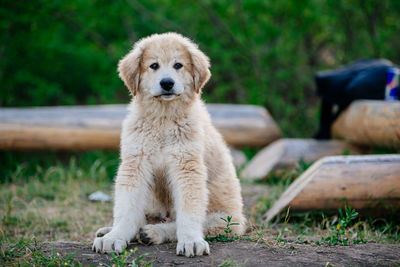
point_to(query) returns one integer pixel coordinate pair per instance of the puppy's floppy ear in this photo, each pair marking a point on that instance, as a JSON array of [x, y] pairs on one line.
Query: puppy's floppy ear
[[201, 68], [129, 69]]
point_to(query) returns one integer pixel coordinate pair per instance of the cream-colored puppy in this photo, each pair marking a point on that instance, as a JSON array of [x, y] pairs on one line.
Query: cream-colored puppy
[[175, 166]]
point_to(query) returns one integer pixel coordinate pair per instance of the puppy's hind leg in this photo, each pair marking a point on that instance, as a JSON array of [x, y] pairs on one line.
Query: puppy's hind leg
[[166, 232], [216, 224], [157, 233]]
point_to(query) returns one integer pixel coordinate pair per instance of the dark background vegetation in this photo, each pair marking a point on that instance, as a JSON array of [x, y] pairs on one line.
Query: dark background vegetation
[[262, 52]]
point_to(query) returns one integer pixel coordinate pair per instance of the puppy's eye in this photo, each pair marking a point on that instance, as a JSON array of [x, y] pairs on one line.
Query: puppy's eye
[[177, 66], [154, 66]]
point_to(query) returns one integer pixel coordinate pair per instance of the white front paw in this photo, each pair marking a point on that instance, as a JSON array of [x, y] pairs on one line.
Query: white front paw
[[191, 248], [109, 243]]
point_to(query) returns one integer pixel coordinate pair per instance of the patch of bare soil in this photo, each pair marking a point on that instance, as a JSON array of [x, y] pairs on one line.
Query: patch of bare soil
[[243, 252]]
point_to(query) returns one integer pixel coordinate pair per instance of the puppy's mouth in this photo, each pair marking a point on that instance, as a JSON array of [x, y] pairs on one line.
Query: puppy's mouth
[[167, 96]]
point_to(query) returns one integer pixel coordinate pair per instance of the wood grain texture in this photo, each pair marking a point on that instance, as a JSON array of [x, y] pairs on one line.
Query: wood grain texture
[[286, 153], [369, 181], [99, 127], [370, 123]]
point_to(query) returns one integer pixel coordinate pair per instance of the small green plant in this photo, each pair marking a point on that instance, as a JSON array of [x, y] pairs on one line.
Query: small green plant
[[339, 234], [125, 259], [232, 263], [228, 230], [227, 237], [284, 229]]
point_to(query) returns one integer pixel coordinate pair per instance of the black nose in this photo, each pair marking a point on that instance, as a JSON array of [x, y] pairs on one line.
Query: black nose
[[167, 84]]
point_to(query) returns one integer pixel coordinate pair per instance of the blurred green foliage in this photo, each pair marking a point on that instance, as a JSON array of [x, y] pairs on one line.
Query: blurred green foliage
[[262, 52]]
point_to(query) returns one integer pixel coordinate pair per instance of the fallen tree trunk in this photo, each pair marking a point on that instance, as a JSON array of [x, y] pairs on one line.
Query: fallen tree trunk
[[369, 181], [286, 153], [99, 127], [370, 123]]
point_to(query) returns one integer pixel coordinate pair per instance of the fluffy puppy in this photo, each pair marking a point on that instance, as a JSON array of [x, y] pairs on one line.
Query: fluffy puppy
[[175, 166]]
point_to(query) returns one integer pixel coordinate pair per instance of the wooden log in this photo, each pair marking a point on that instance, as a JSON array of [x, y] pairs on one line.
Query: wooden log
[[244, 125], [367, 181], [99, 127], [286, 153], [370, 123]]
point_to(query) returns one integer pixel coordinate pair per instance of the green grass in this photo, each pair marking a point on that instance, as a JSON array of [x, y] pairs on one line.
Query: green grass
[[27, 252], [18, 167], [48, 200], [343, 227]]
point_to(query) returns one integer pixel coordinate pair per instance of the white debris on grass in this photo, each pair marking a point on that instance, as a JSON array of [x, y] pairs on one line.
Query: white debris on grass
[[99, 196]]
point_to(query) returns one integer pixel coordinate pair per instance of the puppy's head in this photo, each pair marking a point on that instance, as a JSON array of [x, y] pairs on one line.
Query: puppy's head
[[165, 66]]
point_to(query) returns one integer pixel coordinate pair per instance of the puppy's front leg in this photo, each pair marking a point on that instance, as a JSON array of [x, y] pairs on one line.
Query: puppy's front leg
[[189, 189], [131, 195]]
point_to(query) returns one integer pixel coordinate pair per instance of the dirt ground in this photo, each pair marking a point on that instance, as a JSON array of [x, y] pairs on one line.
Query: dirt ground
[[240, 253]]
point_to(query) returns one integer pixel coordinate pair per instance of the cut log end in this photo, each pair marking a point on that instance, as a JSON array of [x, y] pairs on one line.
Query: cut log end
[[370, 123], [359, 181], [286, 153]]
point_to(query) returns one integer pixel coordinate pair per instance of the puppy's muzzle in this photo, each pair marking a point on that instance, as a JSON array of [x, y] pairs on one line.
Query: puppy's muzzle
[[167, 84]]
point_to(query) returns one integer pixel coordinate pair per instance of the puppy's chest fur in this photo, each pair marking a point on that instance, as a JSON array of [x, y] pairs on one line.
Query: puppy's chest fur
[[160, 138], [163, 143]]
